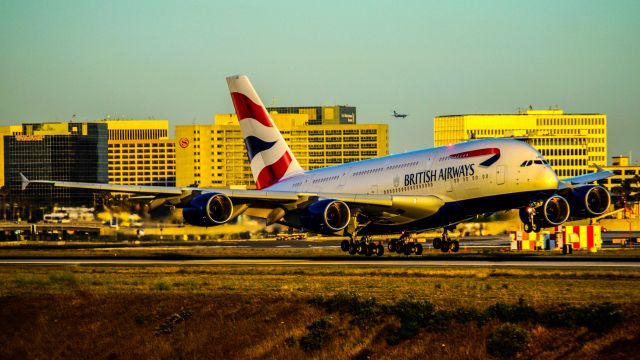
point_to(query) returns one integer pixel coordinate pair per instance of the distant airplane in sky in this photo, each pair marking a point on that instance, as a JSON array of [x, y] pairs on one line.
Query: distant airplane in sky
[[398, 115], [390, 195]]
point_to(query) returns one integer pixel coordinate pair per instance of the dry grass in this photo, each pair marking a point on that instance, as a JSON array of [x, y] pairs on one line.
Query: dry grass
[[442, 286], [226, 311]]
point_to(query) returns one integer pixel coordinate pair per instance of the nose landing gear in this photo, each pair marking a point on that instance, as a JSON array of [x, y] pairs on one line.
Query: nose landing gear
[[528, 217]]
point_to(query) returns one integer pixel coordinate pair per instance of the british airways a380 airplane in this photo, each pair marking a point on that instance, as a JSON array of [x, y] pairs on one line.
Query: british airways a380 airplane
[[398, 194]]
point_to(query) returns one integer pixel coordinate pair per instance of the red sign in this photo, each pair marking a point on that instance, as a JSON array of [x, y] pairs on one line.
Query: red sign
[[184, 142], [29, 137]]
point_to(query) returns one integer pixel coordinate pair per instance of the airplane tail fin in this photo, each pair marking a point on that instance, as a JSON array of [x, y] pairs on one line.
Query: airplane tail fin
[[270, 156]]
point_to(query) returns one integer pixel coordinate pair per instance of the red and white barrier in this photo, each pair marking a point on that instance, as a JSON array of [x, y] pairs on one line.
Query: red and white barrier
[[580, 237]]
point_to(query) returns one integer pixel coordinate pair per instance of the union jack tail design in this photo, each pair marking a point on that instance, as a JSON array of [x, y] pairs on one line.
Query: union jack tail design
[[270, 156]]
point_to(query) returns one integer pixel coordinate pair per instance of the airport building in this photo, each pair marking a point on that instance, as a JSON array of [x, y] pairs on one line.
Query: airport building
[[65, 151], [321, 115], [571, 142], [215, 155], [4, 131], [622, 170], [141, 153]]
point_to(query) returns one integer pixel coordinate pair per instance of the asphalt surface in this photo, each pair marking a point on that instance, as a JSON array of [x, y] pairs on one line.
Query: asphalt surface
[[526, 262], [123, 256]]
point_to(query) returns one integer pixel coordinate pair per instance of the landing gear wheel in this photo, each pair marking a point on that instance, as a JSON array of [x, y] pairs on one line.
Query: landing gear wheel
[[527, 228], [344, 245], [371, 248], [353, 249], [418, 249], [437, 243], [536, 228], [408, 249], [445, 246], [400, 247], [361, 248], [455, 246], [392, 245], [379, 250]]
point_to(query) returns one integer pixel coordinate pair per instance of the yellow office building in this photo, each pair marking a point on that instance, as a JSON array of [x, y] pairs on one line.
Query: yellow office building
[[622, 170], [140, 152], [571, 142], [215, 155]]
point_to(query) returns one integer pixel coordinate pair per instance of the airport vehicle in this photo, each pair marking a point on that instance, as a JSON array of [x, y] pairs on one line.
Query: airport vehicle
[[397, 194], [398, 115], [56, 218]]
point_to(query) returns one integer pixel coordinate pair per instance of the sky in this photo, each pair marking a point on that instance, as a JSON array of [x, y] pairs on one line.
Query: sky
[[169, 59]]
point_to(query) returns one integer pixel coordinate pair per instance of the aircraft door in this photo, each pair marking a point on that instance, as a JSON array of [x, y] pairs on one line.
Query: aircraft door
[[500, 174], [343, 178]]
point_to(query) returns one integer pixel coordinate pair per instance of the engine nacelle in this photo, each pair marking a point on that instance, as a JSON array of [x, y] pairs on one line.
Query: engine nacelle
[[208, 210], [326, 216], [589, 201], [554, 211]]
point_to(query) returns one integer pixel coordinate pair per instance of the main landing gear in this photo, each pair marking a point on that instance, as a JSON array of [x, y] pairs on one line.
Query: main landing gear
[[445, 243], [403, 245], [366, 246]]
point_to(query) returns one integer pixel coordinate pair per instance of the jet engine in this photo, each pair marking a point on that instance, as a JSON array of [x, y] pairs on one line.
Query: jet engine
[[326, 216], [554, 211], [589, 201], [208, 210]]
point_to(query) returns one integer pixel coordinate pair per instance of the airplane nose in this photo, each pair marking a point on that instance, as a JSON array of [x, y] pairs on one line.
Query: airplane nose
[[548, 179]]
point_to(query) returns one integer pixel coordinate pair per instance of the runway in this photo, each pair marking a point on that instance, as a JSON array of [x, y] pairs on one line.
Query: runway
[[567, 263]]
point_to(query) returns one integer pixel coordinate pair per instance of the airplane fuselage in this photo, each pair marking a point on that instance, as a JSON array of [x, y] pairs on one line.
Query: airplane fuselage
[[472, 178]]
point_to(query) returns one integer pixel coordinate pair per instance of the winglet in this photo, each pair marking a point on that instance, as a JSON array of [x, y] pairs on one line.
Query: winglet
[[24, 180]]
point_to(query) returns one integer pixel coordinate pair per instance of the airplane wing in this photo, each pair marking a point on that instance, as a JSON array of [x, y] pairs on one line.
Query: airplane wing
[[587, 178], [392, 209]]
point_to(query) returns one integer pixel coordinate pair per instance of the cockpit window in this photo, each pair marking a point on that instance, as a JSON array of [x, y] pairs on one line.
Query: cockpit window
[[531, 162]]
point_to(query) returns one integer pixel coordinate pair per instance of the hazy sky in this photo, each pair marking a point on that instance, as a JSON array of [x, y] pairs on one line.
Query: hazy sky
[[168, 59]]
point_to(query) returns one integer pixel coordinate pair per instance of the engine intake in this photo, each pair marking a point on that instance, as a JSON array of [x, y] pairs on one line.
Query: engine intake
[[208, 210], [554, 211], [589, 201], [326, 216]]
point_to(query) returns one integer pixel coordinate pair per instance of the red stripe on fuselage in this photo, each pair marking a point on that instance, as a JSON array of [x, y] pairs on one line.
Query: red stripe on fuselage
[[473, 153], [271, 174], [245, 108]]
